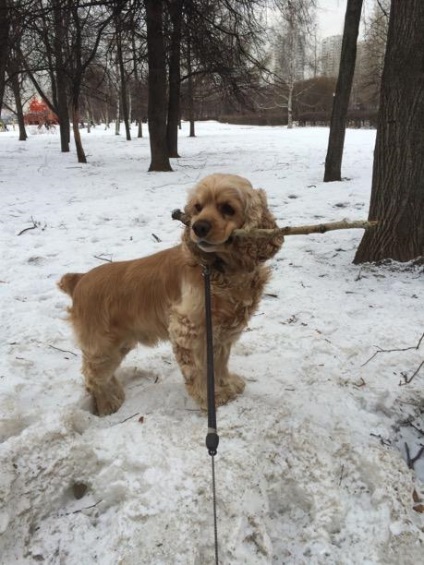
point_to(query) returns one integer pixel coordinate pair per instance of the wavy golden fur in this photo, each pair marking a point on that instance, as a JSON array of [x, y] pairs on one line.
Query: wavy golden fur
[[117, 305]]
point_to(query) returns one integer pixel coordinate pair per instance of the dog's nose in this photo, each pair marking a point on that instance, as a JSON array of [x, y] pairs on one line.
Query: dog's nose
[[201, 228]]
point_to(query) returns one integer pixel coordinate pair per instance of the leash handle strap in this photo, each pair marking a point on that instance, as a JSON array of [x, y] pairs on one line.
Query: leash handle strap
[[212, 438]]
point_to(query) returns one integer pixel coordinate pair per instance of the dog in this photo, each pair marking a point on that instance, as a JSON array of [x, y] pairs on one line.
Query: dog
[[161, 297]]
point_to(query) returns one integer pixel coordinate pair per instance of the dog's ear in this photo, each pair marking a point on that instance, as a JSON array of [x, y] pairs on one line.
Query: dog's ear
[[258, 215], [189, 207]]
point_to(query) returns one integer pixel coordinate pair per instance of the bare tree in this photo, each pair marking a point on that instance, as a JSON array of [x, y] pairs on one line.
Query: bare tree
[[175, 8], [296, 22], [190, 89], [223, 45], [397, 197], [60, 80], [4, 44], [157, 104], [88, 23], [120, 23], [42, 50], [368, 76], [333, 161], [15, 80]]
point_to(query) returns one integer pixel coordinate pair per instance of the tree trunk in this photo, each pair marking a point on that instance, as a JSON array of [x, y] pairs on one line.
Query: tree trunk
[[61, 103], [176, 13], [19, 109], [157, 101], [122, 75], [397, 197], [139, 113], [118, 113], [190, 93], [333, 161], [107, 118], [4, 45], [77, 134], [290, 106], [64, 122]]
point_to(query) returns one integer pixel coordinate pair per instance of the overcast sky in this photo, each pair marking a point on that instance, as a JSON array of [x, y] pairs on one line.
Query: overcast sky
[[330, 15]]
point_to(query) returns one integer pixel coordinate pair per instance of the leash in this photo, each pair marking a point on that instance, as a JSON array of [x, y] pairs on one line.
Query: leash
[[212, 438]]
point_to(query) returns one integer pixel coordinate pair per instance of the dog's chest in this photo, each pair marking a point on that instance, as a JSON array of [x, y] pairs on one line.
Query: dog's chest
[[235, 299]]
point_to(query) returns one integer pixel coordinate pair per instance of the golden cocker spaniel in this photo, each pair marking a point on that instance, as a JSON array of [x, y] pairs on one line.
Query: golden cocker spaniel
[[160, 297]]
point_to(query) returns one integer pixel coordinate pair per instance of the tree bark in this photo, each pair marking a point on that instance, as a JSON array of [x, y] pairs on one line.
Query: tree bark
[[77, 133], [290, 106], [118, 113], [19, 108], [122, 75], [139, 113], [157, 99], [397, 196], [176, 14], [61, 102], [190, 92], [4, 45], [333, 161]]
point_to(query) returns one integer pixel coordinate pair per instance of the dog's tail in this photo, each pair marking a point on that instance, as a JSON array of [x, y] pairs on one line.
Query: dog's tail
[[69, 281]]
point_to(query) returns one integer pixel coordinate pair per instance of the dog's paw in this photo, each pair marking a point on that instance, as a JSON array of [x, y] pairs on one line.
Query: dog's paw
[[229, 389], [110, 400], [225, 391], [235, 383]]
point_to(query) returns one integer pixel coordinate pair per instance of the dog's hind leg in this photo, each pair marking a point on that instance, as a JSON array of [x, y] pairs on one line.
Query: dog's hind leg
[[100, 381]]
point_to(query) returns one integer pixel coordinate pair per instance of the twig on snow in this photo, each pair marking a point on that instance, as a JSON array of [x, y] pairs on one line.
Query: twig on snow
[[62, 350], [406, 379], [82, 509], [412, 460], [34, 225], [361, 383], [380, 350], [129, 417], [416, 428], [341, 474], [102, 258]]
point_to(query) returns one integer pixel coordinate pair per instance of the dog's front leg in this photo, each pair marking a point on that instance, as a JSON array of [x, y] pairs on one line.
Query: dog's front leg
[[189, 345], [227, 385], [189, 349]]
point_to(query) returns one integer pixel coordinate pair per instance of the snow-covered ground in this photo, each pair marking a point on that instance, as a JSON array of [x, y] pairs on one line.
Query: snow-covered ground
[[311, 467]]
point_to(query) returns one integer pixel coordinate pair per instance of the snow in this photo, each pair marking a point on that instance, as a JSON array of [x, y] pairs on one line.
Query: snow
[[311, 466]]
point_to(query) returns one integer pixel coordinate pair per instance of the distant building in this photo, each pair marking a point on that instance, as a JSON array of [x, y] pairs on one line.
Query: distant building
[[331, 48]]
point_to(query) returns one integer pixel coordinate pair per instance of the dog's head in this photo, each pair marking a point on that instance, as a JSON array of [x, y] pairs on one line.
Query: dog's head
[[220, 204]]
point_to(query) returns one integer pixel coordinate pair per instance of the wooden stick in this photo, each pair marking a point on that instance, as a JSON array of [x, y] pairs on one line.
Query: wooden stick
[[304, 230], [288, 230]]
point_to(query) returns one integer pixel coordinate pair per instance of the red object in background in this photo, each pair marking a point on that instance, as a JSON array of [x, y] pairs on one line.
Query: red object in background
[[40, 114], [38, 106]]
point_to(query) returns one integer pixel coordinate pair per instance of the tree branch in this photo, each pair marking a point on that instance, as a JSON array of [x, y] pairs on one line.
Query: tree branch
[[288, 230], [380, 350]]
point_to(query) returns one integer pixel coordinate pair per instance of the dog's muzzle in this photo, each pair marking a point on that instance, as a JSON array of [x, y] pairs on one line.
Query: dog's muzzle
[[201, 228]]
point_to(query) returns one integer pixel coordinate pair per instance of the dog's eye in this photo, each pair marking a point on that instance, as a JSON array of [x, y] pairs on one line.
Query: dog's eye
[[227, 210], [198, 207]]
